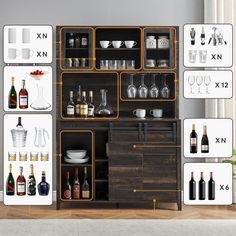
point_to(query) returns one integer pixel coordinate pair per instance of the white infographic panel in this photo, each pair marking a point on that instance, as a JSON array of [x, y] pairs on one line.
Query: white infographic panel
[[207, 183], [27, 44], [27, 159], [27, 88], [208, 84], [208, 138], [208, 45]]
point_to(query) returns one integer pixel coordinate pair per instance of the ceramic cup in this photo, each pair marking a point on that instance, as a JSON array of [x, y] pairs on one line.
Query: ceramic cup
[[139, 113], [26, 53], [117, 43], [150, 62], [157, 113], [105, 44], [25, 35], [13, 53], [12, 35], [130, 44]]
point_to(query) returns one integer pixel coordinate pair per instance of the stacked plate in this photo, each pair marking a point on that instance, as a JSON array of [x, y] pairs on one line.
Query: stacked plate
[[76, 156]]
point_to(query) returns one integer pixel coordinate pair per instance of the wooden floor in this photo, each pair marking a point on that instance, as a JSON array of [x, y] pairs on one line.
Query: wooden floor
[[188, 212]]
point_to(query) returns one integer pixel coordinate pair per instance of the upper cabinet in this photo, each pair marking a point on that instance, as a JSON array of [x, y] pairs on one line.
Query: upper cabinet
[[116, 48]]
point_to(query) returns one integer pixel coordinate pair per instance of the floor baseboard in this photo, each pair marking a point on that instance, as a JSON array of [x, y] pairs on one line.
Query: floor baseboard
[[54, 196]]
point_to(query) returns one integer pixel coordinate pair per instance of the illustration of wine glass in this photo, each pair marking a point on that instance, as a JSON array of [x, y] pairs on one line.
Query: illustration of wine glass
[[154, 90], [191, 81], [199, 81], [165, 90], [131, 89], [207, 81]]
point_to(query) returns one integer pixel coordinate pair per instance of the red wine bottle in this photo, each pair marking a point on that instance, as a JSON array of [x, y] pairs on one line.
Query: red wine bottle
[[205, 141], [76, 185], [192, 188], [193, 140], [202, 188], [211, 188], [67, 187], [23, 97]]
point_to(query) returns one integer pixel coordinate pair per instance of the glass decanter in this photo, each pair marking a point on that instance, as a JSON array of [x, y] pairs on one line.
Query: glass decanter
[[154, 90], [142, 90], [104, 109], [40, 103], [131, 89], [165, 90]]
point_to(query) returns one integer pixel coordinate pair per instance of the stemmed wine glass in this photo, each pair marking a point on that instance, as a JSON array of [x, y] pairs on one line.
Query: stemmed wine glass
[[207, 81], [199, 81], [191, 81], [154, 90], [131, 89], [142, 90], [165, 90]]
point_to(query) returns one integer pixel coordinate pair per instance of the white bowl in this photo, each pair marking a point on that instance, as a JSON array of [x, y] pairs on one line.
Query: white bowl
[[76, 161], [76, 154]]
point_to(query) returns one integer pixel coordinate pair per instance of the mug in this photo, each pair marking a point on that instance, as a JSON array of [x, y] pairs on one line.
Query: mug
[[150, 63], [13, 53], [12, 35], [105, 44], [140, 113], [117, 43], [130, 44], [157, 113], [26, 53], [25, 35]]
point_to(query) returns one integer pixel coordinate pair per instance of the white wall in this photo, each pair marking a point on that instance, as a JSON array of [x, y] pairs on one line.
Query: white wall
[[106, 12]]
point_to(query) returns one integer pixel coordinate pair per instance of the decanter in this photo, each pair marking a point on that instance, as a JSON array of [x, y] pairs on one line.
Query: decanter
[[104, 109], [165, 90], [40, 103], [43, 186], [142, 90], [131, 89], [154, 90]]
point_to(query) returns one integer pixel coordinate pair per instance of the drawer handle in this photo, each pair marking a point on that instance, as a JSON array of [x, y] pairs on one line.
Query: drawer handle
[[155, 146], [156, 190]]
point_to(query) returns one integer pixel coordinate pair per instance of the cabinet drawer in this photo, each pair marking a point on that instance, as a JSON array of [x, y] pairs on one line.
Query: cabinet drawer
[[159, 159], [159, 196], [118, 171], [121, 148], [125, 160]]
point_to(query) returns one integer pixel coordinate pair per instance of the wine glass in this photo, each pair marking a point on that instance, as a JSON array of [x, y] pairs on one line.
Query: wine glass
[[154, 90], [191, 81], [142, 90], [199, 81], [131, 89], [165, 90], [207, 81]]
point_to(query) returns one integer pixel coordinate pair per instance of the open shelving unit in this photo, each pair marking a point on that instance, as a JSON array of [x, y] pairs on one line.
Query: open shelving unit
[[127, 151]]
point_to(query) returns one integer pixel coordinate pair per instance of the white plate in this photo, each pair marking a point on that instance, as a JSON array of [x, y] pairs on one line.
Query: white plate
[[76, 161]]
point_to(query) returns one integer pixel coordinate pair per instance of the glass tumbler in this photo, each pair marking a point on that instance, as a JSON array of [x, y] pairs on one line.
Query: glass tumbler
[[192, 54], [130, 64]]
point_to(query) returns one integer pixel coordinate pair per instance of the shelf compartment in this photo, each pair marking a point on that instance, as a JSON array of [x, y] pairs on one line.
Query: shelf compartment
[[90, 81], [85, 53], [170, 80], [159, 53], [121, 34], [74, 140]]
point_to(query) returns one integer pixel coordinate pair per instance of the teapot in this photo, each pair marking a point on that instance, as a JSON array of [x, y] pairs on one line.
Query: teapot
[[40, 137]]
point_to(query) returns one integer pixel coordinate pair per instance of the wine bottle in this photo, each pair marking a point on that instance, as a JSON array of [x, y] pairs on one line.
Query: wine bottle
[[84, 106], [23, 97], [12, 97], [10, 184], [91, 105], [19, 125], [203, 37], [21, 184], [76, 186], [192, 35], [43, 186], [31, 185], [202, 188], [85, 186], [204, 141], [78, 102], [71, 106], [67, 187], [71, 41], [211, 188], [193, 140], [192, 188]]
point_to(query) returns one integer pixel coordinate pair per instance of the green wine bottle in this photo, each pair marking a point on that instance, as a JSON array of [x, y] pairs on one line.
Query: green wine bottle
[[12, 98], [10, 184], [31, 182]]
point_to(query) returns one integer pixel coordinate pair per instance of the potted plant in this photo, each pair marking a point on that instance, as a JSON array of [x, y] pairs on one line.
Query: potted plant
[[233, 162]]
